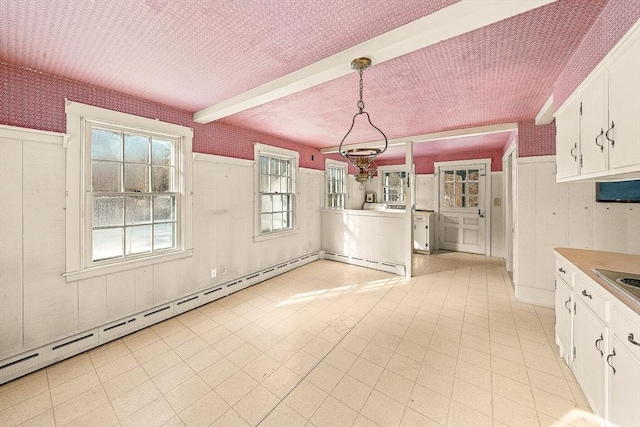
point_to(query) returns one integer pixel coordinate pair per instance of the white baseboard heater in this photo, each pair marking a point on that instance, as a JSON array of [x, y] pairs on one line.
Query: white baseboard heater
[[37, 358], [389, 267]]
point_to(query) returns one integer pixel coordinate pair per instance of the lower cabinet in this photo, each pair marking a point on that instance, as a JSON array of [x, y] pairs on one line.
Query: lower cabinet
[[589, 339], [423, 229], [599, 338]]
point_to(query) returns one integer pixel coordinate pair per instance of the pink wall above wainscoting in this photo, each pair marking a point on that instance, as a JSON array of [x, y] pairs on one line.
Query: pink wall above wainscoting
[[35, 100]]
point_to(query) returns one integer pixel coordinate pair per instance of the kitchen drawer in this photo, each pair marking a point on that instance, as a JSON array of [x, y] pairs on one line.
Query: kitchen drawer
[[591, 298], [627, 330], [564, 271]]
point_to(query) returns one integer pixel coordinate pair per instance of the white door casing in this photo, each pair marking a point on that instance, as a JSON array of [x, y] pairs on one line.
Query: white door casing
[[463, 190]]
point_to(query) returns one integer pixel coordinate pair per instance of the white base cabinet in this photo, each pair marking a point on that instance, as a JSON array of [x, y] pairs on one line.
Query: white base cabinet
[[423, 232], [599, 338]]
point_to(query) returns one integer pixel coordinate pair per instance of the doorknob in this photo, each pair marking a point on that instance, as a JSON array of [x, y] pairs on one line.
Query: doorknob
[[480, 214]]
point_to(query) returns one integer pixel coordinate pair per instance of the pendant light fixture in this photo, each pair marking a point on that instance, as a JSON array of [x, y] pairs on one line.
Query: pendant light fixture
[[362, 158]]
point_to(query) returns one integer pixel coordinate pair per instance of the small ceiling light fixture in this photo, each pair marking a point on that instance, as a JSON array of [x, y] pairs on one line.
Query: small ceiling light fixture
[[362, 158]]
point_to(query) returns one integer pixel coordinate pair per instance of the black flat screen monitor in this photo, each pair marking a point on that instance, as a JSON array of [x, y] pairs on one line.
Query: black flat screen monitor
[[621, 191]]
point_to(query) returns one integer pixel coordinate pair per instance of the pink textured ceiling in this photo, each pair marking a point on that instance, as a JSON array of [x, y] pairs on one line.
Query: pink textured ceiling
[[497, 74], [191, 54], [492, 142]]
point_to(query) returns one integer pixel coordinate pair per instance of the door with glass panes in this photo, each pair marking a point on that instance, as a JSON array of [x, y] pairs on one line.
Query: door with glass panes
[[462, 219]]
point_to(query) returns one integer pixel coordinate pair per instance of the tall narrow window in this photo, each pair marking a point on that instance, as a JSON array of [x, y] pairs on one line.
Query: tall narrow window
[[277, 170], [133, 191], [335, 177]]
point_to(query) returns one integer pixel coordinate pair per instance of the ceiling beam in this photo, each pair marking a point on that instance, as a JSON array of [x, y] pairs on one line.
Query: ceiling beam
[[429, 137], [449, 22], [545, 115]]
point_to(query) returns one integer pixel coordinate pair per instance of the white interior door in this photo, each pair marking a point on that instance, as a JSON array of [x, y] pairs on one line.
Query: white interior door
[[463, 219]]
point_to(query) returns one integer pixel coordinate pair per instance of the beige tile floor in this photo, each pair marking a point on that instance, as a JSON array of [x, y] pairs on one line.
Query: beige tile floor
[[327, 344]]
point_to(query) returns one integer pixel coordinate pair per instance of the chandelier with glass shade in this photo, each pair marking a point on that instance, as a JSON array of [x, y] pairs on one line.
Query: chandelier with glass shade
[[362, 158]]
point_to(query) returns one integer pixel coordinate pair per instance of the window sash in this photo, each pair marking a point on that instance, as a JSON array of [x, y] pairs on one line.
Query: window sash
[[277, 197], [335, 187], [393, 186], [136, 172]]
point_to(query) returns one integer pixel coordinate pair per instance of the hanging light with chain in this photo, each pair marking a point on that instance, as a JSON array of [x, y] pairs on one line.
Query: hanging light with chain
[[362, 158]]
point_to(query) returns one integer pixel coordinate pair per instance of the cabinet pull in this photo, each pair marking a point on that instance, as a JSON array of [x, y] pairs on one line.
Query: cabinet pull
[[609, 363], [575, 147], [598, 347], [565, 305], [586, 294], [562, 270], [600, 136], [631, 340], [606, 135]]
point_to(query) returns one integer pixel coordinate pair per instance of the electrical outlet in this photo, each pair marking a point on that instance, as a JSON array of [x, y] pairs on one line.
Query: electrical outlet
[[223, 269], [214, 273]]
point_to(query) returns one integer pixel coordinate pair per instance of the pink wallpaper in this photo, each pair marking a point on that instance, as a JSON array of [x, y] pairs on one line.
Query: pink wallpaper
[[534, 140], [36, 100], [424, 164], [617, 17]]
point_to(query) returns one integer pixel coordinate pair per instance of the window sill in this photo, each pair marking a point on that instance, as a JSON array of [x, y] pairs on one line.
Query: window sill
[[102, 270], [275, 235]]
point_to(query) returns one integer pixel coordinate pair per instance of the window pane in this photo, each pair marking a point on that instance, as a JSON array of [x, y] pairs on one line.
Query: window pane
[[286, 202], [138, 210], [285, 185], [474, 175], [164, 236], [265, 204], [107, 243], [277, 203], [460, 202], [136, 178], [264, 165], [105, 176], [448, 201], [161, 179], [448, 176], [286, 220], [108, 211], [448, 188], [136, 148], [277, 220], [138, 239], [274, 186], [473, 188], [461, 175], [473, 201], [284, 168], [164, 208], [266, 222], [273, 166], [106, 145], [162, 152]]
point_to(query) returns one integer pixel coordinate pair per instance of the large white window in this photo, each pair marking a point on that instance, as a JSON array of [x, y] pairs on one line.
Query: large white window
[[129, 191], [335, 184], [276, 174]]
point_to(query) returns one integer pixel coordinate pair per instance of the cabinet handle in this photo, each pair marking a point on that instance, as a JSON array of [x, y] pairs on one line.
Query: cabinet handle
[[565, 305], [606, 135], [480, 214], [600, 136], [562, 270], [586, 294], [575, 147], [609, 363], [598, 342], [631, 340]]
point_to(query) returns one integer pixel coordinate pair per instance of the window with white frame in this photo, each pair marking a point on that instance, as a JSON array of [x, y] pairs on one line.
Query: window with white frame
[[276, 180], [336, 184], [134, 180], [393, 184], [133, 191]]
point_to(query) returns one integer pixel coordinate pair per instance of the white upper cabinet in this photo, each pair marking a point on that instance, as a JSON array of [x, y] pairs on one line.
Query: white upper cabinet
[[623, 137], [598, 127], [567, 139]]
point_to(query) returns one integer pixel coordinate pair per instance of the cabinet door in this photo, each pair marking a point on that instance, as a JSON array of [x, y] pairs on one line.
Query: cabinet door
[[589, 335], [593, 125], [624, 106], [624, 385], [564, 319], [567, 140], [420, 233]]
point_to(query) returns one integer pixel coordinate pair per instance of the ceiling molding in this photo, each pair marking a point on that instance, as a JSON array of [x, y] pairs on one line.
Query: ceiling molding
[[429, 137], [449, 22]]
